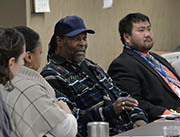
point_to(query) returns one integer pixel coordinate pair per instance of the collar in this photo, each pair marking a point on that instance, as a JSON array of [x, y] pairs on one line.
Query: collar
[[142, 53]]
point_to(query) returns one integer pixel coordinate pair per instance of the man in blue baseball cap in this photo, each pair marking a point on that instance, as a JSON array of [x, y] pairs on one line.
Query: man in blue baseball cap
[[68, 28], [83, 85]]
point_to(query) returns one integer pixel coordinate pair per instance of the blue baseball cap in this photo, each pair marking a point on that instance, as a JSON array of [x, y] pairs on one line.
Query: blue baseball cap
[[70, 26]]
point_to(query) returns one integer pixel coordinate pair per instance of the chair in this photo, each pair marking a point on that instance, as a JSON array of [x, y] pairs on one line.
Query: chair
[[176, 65], [174, 60], [171, 57]]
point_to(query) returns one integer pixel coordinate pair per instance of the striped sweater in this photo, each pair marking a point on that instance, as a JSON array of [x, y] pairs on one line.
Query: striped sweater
[[90, 94]]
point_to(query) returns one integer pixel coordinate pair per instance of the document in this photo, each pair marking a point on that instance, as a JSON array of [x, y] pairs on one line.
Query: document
[[108, 4], [41, 6]]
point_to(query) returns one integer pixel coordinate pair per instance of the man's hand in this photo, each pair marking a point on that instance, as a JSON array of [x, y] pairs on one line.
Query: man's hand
[[139, 123], [124, 103]]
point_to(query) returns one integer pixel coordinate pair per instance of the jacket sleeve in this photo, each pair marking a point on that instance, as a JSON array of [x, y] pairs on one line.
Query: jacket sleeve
[[67, 128], [134, 115]]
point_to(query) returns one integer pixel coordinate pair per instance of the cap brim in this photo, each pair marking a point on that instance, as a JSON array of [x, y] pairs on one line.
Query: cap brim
[[78, 31]]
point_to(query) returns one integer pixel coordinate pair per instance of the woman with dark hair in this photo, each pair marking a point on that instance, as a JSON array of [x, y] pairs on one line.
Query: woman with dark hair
[[12, 53], [33, 47], [33, 107]]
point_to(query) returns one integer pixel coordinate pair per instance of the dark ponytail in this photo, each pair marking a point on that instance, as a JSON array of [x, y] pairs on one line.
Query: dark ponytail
[[52, 47]]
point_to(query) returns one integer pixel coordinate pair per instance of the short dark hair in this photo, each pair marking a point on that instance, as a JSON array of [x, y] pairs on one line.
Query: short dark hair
[[31, 37], [11, 45], [126, 24]]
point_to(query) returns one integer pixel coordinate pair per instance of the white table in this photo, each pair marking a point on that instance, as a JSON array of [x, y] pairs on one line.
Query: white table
[[151, 129]]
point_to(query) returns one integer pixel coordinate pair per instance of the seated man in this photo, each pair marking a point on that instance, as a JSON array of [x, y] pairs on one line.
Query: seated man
[[88, 90], [146, 76]]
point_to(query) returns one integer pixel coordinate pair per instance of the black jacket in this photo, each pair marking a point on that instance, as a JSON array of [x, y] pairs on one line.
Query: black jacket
[[133, 74]]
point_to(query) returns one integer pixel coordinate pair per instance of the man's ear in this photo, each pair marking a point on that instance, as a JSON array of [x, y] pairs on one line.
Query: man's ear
[[126, 38], [11, 62], [28, 57]]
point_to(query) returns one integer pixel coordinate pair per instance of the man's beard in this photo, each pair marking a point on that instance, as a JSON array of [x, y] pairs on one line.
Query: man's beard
[[78, 61], [144, 48]]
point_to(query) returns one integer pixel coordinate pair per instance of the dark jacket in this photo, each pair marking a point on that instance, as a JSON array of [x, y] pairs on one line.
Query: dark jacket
[[132, 73], [90, 93], [5, 123]]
